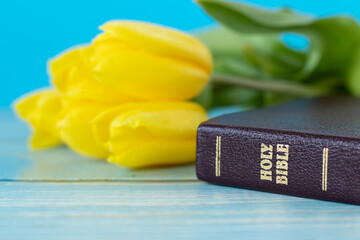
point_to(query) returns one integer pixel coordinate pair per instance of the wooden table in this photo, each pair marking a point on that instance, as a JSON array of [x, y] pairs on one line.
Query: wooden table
[[57, 194]]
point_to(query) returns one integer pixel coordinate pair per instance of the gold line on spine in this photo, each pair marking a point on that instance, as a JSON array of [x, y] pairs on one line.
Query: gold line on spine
[[217, 156], [325, 169]]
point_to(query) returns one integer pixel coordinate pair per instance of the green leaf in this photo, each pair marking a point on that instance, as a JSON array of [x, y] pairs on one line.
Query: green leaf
[[248, 19], [248, 54], [230, 95], [238, 67], [338, 37], [251, 56], [353, 80], [333, 41], [223, 41], [270, 98], [275, 85], [205, 98]]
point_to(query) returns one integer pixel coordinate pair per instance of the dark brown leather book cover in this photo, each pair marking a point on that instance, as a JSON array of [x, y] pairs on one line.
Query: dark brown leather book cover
[[307, 148]]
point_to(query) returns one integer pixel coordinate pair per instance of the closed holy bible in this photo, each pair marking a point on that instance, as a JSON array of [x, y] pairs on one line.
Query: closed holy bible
[[307, 148]]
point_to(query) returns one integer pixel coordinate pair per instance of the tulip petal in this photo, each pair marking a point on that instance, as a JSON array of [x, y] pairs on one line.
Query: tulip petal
[[41, 110], [72, 76], [62, 65], [150, 134], [75, 130], [196, 114], [150, 77], [150, 62], [41, 140], [161, 40], [166, 123], [157, 153]]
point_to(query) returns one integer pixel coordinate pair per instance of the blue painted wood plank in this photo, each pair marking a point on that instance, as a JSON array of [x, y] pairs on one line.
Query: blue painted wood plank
[[183, 210], [134, 209], [18, 162]]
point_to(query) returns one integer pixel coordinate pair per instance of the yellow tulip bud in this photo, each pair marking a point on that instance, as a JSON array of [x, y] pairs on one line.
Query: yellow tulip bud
[[150, 62], [41, 110], [150, 134], [75, 130], [72, 76]]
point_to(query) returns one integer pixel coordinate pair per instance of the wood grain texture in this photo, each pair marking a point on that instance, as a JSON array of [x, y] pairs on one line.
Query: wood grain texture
[[115, 210], [125, 206]]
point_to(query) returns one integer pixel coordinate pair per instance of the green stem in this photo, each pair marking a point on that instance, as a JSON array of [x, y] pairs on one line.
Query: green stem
[[278, 86]]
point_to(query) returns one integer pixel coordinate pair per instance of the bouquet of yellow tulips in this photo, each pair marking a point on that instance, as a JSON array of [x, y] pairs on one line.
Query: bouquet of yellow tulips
[[124, 97]]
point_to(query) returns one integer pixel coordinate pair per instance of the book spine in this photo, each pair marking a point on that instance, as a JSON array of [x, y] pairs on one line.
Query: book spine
[[305, 165]]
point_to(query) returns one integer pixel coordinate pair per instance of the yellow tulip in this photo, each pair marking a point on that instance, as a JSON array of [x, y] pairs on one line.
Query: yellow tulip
[[149, 134], [123, 97], [72, 76], [41, 110], [75, 130], [150, 62]]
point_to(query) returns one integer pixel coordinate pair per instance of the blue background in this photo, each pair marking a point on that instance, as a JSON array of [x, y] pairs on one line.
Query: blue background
[[33, 31]]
